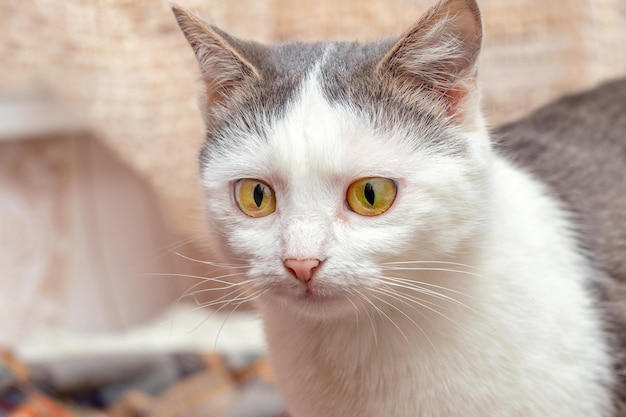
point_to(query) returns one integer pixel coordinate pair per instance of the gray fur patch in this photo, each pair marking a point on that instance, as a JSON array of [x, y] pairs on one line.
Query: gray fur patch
[[349, 78]]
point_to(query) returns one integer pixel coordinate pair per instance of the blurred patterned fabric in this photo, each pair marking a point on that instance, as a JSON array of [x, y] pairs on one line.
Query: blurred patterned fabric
[[151, 385]]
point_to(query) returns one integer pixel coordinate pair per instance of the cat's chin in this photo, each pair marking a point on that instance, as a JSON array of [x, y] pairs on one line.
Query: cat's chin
[[314, 304]]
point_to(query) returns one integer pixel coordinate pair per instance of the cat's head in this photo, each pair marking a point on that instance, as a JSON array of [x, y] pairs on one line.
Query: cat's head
[[325, 162]]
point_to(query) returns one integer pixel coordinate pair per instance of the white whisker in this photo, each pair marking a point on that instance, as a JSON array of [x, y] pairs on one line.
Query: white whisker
[[430, 262], [215, 264], [190, 290], [384, 314], [165, 250], [419, 286], [425, 292], [228, 287], [401, 297], [408, 317], [399, 268], [224, 299], [212, 279], [362, 296], [241, 298], [254, 296]]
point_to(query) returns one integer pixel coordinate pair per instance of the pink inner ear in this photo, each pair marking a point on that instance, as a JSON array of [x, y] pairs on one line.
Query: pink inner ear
[[213, 96], [216, 94], [456, 103]]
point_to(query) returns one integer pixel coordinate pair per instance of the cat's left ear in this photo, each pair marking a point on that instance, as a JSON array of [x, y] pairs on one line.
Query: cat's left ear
[[438, 57]]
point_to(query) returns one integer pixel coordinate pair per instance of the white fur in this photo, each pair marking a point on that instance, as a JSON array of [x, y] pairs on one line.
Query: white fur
[[519, 336]]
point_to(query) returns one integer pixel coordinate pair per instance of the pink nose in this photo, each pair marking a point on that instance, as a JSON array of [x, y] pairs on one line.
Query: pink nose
[[302, 269]]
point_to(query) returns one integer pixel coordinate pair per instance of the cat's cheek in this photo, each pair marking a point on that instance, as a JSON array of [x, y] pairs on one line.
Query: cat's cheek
[[255, 242]]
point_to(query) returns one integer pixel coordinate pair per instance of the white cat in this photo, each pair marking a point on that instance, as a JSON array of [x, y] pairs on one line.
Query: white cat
[[402, 267]]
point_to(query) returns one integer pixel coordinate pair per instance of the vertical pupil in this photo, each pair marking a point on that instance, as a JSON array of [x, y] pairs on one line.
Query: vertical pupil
[[369, 194], [258, 195]]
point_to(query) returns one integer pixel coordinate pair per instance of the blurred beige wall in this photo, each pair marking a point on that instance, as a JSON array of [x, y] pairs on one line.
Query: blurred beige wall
[[124, 71], [83, 241]]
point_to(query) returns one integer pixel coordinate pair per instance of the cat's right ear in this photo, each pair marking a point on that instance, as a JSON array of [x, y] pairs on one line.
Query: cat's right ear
[[438, 57], [224, 70]]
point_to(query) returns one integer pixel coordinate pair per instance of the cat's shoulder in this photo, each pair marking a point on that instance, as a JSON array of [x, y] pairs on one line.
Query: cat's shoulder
[[577, 147]]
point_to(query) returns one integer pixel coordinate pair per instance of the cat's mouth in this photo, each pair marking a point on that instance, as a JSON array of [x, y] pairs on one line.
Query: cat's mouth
[[307, 294], [320, 302], [315, 296]]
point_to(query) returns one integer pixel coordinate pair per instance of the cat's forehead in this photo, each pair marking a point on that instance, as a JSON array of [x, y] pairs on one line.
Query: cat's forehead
[[317, 110], [325, 137], [345, 75], [318, 139]]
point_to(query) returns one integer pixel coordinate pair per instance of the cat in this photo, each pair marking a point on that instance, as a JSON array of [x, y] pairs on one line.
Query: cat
[[403, 261]]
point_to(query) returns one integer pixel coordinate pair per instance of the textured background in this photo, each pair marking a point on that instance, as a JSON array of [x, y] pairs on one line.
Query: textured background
[[124, 71]]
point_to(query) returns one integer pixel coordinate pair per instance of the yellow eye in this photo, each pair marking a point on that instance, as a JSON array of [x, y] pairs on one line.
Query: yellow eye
[[255, 198], [371, 196]]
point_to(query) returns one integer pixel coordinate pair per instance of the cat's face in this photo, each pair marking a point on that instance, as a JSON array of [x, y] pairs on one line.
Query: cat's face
[[321, 168]]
